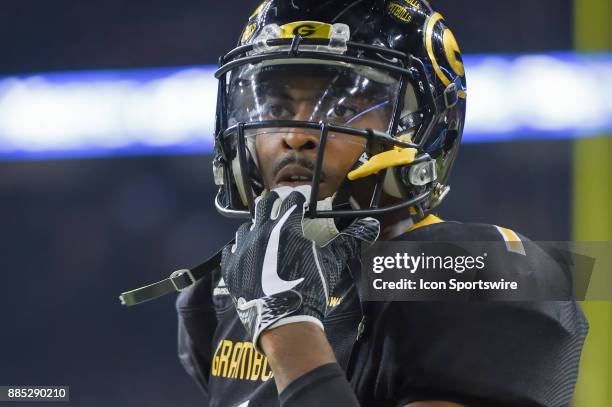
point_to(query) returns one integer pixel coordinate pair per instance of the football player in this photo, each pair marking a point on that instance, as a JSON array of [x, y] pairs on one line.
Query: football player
[[337, 125]]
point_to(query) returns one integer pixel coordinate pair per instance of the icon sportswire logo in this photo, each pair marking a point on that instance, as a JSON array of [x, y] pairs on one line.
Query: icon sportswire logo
[[271, 282]]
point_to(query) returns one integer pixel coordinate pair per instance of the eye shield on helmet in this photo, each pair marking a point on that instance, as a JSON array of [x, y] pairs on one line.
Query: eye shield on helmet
[[336, 94]]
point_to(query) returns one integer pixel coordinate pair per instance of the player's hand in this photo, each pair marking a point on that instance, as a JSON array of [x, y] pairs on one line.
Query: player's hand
[[277, 276]]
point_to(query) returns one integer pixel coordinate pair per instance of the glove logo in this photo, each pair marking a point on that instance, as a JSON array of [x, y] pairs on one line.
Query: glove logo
[[271, 282]]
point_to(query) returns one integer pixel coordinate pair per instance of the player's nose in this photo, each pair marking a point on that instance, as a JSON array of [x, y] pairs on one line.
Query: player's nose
[[300, 138]]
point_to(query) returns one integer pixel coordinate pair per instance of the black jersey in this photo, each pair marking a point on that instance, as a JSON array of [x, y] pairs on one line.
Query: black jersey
[[485, 353]]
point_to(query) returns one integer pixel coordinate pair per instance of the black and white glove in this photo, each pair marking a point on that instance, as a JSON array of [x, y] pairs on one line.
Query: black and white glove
[[277, 276]]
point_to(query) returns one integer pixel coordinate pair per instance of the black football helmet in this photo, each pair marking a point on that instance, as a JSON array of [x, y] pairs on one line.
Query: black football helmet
[[394, 59]]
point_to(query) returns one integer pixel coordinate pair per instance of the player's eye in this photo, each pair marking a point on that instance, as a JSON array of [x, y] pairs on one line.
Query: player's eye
[[341, 113], [276, 111]]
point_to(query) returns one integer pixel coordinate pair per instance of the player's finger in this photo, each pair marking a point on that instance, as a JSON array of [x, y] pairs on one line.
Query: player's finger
[[297, 199], [263, 207], [241, 233], [362, 231], [226, 259], [283, 193], [366, 230]]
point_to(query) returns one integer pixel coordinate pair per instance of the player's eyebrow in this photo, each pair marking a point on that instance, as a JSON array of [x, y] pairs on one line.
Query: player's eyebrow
[[268, 89], [333, 90]]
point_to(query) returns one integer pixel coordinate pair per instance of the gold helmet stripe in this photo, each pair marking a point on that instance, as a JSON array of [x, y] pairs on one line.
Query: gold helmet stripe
[[450, 47]]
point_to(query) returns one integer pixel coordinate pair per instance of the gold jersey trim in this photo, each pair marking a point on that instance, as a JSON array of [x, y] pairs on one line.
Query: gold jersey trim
[[513, 241], [429, 220]]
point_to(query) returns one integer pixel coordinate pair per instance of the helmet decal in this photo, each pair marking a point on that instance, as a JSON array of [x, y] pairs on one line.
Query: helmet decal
[[453, 53], [258, 9], [306, 29], [251, 27], [448, 60], [402, 10], [248, 32]]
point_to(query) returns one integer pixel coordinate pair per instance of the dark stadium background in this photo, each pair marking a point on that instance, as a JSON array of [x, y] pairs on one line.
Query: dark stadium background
[[75, 233]]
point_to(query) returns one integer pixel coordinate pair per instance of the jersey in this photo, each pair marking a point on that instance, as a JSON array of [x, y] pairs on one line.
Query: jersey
[[394, 353]]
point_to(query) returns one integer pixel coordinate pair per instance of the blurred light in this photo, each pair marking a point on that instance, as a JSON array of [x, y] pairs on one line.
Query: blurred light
[[107, 113], [538, 96], [80, 114]]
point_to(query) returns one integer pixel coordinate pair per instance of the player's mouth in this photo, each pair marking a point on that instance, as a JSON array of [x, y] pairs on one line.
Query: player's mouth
[[294, 175]]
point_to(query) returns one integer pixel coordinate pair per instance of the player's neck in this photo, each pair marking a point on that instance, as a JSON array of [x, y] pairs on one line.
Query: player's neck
[[391, 228]]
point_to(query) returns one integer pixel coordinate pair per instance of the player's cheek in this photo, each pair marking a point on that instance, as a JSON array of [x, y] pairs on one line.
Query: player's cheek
[[266, 150], [335, 171]]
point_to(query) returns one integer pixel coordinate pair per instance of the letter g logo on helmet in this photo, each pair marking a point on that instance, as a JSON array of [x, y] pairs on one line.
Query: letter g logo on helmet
[[305, 30], [453, 53]]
